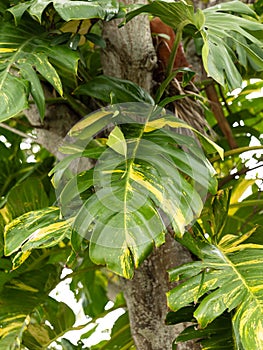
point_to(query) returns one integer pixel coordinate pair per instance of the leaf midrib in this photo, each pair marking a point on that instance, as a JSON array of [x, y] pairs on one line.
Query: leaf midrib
[[129, 172]]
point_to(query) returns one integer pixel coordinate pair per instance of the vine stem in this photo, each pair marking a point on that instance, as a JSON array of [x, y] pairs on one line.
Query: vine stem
[[239, 150], [178, 38], [17, 132]]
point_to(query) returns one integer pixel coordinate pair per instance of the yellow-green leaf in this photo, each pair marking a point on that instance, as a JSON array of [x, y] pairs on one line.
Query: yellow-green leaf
[[117, 141]]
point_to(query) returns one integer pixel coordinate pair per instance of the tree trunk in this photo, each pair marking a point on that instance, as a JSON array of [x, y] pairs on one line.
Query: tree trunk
[[130, 55], [146, 299]]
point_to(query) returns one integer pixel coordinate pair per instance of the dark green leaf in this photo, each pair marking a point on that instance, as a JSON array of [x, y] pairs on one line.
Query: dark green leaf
[[26, 48], [103, 87], [48, 322]]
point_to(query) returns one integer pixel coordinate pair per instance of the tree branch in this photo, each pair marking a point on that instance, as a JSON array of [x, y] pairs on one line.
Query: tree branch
[[18, 132]]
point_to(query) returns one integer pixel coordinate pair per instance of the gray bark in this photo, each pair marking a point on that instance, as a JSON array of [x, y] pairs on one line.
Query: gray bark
[[146, 299], [58, 120], [129, 53]]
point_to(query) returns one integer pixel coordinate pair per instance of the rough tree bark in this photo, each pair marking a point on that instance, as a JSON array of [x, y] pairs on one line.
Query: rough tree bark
[[130, 55], [59, 118]]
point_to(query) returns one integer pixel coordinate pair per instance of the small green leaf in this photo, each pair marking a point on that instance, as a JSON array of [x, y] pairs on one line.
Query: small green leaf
[[18, 11], [117, 141], [36, 89], [36, 229], [13, 96], [96, 39]]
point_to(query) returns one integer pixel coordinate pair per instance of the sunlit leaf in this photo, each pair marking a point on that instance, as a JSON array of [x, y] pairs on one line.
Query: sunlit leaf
[[117, 141], [14, 94], [68, 10]]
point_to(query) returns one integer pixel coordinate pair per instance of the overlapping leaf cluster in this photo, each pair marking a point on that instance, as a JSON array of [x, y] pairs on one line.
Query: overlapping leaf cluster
[[227, 278], [146, 172], [230, 35]]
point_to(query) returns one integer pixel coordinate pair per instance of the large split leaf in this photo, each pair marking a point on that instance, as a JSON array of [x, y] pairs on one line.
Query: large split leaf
[[227, 278], [228, 37], [26, 54], [120, 208]]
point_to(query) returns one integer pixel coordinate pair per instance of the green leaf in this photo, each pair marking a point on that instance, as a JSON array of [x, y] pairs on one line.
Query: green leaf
[[69, 10], [215, 214], [103, 87], [26, 50], [119, 213], [35, 229], [216, 26], [96, 39], [117, 141], [26, 196], [103, 9], [173, 14], [20, 296], [228, 278], [74, 189], [18, 10], [47, 323], [36, 89], [218, 335], [45, 68], [14, 94]]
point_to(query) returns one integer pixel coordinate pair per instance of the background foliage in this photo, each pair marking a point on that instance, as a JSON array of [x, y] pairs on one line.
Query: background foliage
[[55, 47]]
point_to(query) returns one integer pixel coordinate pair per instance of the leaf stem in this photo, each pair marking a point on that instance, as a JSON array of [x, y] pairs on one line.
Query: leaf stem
[[18, 132], [77, 106], [249, 203], [235, 151], [178, 38]]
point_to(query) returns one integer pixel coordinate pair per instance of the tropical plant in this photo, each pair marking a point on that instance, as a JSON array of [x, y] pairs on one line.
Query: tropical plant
[[132, 189]]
